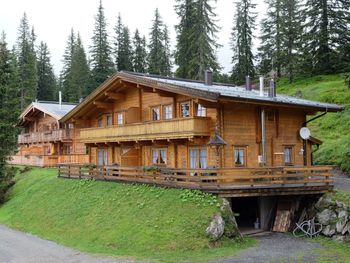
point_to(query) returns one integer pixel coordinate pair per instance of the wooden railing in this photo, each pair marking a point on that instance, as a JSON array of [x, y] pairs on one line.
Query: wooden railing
[[47, 136], [165, 129], [211, 180]]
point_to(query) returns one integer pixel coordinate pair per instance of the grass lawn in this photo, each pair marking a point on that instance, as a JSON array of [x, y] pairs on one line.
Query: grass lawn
[[334, 128], [139, 221]]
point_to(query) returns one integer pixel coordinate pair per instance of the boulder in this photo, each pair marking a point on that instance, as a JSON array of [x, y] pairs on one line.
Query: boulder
[[216, 228], [340, 238], [326, 217], [346, 229], [329, 230], [231, 227], [323, 203], [342, 220]]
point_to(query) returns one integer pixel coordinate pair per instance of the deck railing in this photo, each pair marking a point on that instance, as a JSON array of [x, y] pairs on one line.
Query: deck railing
[[210, 180], [47, 136], [165, 129]]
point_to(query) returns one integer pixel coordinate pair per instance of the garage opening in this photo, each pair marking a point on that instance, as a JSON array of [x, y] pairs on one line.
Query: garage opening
[[247, 211]]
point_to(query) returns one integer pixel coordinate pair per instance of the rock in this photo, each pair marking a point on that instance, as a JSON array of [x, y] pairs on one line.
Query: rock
[[323, 203], [231, 227], [339, 238], [329, 230], [326, 217], [346, 229], [342, 219], [216, 228]]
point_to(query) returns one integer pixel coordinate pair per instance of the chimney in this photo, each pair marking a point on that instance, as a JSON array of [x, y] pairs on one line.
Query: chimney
[[208, 77], [272, 89], [248, 83], [60, 99], [261, 79]]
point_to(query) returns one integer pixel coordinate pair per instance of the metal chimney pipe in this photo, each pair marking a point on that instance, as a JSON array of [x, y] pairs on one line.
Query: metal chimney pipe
[[248, 83], [208, 77], [60, 99], [272, 89], [261, 80]]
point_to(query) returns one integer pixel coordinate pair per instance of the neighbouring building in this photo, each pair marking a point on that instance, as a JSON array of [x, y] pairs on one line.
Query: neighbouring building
[[44, 141]]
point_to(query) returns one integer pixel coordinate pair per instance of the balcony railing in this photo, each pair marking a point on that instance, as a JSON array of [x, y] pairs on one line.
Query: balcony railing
[[227, 181], [166, 129], [47, 136]]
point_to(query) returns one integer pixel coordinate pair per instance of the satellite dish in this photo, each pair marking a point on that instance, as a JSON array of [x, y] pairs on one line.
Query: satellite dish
[[305, 133]]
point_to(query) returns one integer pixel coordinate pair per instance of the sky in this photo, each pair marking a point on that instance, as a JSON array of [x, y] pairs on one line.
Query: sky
[[53, 20]]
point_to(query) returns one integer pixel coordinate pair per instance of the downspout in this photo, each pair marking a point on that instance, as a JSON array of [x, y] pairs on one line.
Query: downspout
[[304, 141], [263, 131]]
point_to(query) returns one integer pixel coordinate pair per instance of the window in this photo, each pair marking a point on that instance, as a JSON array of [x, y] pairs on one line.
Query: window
[[271, 115], [155, 113], [198, 158], [288, 155], [159, 156], [239, 156], [201, 111], [185, 109], [120, 118], [168, 112], [99, 122], [109, 120], [67, 149]]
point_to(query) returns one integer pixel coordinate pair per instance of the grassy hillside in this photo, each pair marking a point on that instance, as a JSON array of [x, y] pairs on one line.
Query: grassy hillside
[[113, 218], [334, 128]]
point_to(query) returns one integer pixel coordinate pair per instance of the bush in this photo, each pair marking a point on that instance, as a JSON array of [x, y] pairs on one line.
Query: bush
[[6, 181]]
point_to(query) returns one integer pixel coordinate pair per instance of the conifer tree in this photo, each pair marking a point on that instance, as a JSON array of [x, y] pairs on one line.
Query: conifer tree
[[26, 63], [139, 53], [46, 76], [327, 30], [167, 63], [118, 41], [242, 41], [101, 61], [9, 112], [157, 59], [125, 54]]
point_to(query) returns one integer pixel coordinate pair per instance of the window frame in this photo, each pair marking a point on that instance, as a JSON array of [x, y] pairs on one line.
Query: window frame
[[100, 122], [122, 118], [159, 113], [165, 112], [198, 163], [201, 109], [291, 156], [189, 108], [240, 148], [159, 156], [109, 117]]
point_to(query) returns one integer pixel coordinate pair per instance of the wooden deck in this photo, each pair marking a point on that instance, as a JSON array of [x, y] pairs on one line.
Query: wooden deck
[[160, 130], [229, 182], [48, 136]]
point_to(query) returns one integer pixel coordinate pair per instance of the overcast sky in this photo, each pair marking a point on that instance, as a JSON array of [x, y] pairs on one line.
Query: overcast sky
[[53, 20]]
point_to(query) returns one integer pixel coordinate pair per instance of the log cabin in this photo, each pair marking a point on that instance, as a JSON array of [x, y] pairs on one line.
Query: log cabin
[[232, 141], [44, 141]]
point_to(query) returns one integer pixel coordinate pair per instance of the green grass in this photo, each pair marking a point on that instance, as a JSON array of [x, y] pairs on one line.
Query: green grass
[[334, 128], [340, 195], [139, 221], [332, 252]]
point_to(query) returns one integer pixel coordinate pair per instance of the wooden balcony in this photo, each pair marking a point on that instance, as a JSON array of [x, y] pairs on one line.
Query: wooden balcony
[[47, 136], [160, 130], [229, 182]]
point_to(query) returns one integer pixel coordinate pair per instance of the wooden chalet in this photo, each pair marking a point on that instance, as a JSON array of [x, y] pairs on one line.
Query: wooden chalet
[[44, 141], [229, 140]]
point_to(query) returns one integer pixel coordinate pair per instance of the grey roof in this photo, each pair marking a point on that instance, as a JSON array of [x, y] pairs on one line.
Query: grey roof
[[51, 108], [241, 93]]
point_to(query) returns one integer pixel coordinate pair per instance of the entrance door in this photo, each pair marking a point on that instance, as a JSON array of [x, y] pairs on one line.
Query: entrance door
[[102, 159]]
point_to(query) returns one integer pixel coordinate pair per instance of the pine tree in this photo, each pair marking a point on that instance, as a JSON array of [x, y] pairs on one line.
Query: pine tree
[[157, 51], [80, 72], [327, 30], [125, 53], [9, 113], [118, 41], [46, 76], [139, 53], [196, 38], [167, 63], [101, 61], [185, 46], [26, 63], [242, 37]]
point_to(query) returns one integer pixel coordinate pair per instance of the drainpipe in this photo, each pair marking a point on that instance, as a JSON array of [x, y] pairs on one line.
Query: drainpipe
[[60, 99], [304, 141], [263, 131]]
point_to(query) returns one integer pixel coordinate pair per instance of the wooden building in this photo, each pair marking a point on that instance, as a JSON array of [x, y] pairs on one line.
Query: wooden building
[[229, 140], [44, 141]]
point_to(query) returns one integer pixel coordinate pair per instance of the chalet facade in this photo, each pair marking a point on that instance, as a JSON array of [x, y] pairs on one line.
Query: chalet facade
[[44, 141], [232, 141]]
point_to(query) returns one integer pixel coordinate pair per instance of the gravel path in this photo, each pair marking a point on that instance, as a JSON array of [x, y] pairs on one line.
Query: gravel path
[[342, 181], [18, 247], [276, 247]]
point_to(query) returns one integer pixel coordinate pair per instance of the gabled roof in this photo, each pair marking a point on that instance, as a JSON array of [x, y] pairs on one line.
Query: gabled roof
[[197, 89], [48, 107]]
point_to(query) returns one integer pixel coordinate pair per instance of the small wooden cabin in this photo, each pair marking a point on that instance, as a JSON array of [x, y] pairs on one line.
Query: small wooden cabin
[[44, 141], [229, 140]]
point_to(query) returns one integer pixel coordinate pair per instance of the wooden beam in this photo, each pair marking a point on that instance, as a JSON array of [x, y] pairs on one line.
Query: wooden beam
[[29, 119], [115, 96], [104, 105]]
